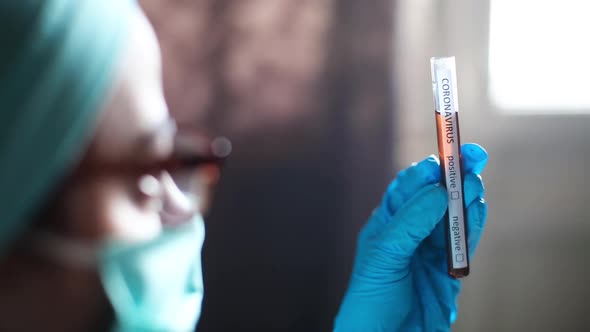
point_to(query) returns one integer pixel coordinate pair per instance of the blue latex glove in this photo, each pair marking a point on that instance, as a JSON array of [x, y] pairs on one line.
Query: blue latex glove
[[399, 280]]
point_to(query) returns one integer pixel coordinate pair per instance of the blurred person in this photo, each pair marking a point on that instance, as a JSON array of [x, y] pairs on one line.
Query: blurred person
[[98, 232]]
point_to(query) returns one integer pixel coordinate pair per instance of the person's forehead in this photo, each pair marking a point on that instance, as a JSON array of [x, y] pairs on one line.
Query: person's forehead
[[136, 108]]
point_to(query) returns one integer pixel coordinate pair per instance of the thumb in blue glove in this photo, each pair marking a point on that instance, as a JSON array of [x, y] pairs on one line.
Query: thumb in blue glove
[[399, 280]]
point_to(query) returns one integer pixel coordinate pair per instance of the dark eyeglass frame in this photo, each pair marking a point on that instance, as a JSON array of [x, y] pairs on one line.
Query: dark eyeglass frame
[[192, 149]]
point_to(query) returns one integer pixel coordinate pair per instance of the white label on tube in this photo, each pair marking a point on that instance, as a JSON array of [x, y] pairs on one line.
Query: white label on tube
[[445, 97]]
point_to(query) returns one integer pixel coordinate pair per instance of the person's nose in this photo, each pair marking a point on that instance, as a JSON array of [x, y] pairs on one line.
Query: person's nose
[[178, 206]]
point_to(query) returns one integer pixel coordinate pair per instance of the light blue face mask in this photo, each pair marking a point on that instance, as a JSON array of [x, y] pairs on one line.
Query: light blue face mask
[[157, 285], [153, 286]]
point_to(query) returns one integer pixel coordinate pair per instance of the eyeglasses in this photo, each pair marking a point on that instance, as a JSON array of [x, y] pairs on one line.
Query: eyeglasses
[[194, 165]]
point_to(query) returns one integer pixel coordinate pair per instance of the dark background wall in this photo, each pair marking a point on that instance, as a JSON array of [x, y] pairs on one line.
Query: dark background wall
[[303, 90]]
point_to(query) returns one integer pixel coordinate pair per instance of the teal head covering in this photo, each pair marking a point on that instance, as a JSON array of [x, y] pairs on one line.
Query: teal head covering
[[57, 62]]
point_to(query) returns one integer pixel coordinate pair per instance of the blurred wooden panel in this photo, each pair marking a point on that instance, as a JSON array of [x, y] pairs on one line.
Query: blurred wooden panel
[[240, 65], [302, 87]]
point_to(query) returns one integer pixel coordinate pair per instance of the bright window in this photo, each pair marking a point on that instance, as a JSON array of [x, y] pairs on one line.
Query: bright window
[[539, 56]]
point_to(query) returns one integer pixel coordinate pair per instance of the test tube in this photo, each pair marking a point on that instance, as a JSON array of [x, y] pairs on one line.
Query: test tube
[[444, 86]]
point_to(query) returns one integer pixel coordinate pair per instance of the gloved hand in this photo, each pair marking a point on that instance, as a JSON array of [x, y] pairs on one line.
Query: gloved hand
[[399, 281]]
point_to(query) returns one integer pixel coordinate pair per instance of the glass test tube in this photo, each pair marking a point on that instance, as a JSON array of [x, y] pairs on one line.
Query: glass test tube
[[444, 85]]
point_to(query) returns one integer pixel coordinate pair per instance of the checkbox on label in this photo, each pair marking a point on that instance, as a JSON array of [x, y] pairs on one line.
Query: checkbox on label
[[454, 195], [459, 257]]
